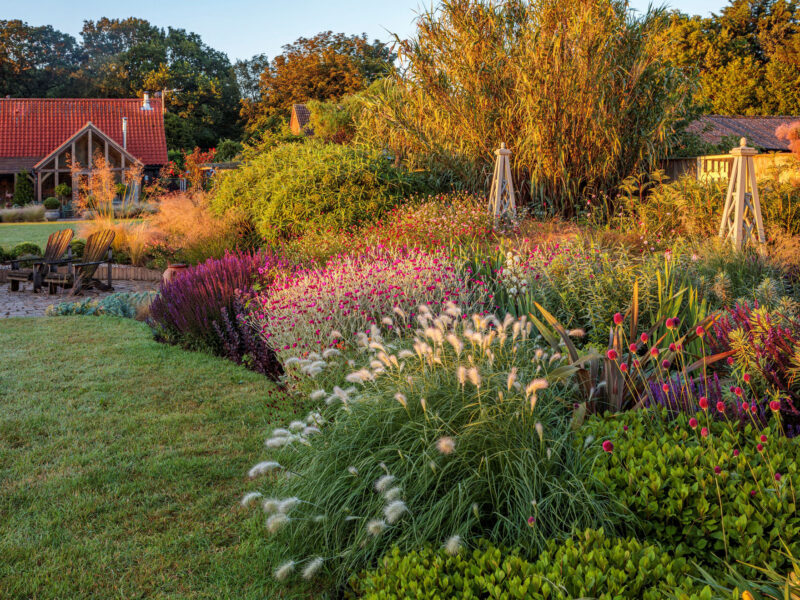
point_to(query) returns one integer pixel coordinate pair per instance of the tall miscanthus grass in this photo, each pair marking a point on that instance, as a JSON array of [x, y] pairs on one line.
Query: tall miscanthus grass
[[313, 309], [583, 93], [455, 435], [194, 308]]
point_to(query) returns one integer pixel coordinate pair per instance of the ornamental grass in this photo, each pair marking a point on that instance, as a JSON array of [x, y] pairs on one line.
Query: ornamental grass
[[457, 434]]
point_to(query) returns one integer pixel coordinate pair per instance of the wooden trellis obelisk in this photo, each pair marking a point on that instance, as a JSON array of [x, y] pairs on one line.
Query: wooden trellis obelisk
[[742, 212], [502, 201]]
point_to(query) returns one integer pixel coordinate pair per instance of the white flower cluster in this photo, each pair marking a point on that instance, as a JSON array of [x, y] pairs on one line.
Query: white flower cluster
[[512, 276]]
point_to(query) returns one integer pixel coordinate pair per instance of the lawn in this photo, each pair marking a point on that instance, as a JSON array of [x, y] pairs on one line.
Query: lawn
[[12, 234], [122, 462]]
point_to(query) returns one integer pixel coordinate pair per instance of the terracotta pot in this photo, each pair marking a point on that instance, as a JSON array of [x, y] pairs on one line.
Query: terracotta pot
[[172, 271]]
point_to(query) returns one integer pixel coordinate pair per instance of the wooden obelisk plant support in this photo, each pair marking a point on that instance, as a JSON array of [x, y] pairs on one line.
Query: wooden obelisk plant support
[[502, 201], [742, 212]]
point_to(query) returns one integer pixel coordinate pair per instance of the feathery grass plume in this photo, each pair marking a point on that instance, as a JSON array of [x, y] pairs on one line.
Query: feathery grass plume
[[296, 426], [353, 471], [312, 568], [401, 399], [394, 511], [392, 494], [383, 483], [317, 394], [446, 445], [354, 378], [453, 545], [311, 430], [276, 521], [376, 526], [533, 388], [474, 377], [286, 505], [262, 468], [270, 505], [576, 333], [461, 373], [283, 571], [512, 378], [249, 497], [539, 430], [330, 352]]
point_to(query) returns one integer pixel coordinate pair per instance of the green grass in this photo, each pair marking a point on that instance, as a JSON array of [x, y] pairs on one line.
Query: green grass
[[12, 234], [122, 462]]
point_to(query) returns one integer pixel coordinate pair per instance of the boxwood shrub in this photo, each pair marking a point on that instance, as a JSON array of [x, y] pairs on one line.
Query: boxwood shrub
[[296, 187], [591, 565], [727, 494]]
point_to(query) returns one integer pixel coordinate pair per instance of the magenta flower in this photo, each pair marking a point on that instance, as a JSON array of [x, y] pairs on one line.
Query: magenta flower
[[703, 402], [644, 337], [760, 447], [608, 446], [735, 452], [531, 521], [693, 423], [704, 432], [774, 406], [618, 319], [777, 476], [632, 347], [623, 367], [763, 438], [746, 377], [700, 331], [720, 406], [717, 469], [612, 354]]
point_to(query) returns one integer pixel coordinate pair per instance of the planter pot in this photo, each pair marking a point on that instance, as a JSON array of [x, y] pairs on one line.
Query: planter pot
[[52, 215], [172, 271]]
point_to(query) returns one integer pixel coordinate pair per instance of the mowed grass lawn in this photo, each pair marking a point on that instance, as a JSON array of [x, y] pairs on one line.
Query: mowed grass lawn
[[122, 462], [12, 234]]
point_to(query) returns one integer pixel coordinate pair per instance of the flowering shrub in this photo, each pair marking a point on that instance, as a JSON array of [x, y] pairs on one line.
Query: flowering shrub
[[703, 488], [460, 432], [196, 308], [591, 565], [444, 222], [312, 309]]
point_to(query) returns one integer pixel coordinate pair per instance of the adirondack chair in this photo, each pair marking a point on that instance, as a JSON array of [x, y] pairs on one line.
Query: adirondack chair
[[80, 275], [37, 267]]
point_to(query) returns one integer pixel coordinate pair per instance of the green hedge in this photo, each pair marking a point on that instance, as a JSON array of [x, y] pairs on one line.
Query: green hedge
[[295, 187], [589, 566], [664, 472]]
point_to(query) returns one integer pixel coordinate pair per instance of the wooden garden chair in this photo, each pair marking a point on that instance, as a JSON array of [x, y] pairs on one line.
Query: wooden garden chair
[[37, 267], [80, 275]]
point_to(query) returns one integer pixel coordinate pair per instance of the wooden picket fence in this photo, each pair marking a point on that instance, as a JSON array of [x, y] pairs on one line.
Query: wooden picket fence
[[118, 273]]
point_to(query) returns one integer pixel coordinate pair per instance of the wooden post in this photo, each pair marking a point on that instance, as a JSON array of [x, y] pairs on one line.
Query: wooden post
[[502, 201], [742, 212]]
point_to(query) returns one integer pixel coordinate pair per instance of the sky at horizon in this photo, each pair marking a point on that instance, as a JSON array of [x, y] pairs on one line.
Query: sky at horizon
[[242, 28]]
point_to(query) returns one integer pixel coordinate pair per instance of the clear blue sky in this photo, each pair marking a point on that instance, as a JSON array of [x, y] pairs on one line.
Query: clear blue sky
[[242, 28]]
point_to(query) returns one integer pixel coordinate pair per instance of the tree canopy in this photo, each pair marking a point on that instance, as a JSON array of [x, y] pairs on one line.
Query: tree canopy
[[119, 58], [326, 66], [747, 57]]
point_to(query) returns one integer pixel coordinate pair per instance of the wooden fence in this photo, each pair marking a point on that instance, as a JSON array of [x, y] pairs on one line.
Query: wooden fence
[[718, 166], [118, 273]]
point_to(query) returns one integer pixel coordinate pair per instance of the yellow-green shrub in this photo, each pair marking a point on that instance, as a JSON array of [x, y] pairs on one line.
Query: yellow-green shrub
[[588, 566]]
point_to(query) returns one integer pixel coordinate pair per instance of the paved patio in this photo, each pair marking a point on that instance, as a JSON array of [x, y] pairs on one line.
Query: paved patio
[[27, 304]]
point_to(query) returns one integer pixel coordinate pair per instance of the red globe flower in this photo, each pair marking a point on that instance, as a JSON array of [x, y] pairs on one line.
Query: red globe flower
[[760, 447], [618, 319], [700, 331], [703, 402], [654, 352], [623, 367], [632, 347], [665, 388], [777, 476], [721, 407], [608, 446], [736, 452], [738, 391], [644, 337], [763, 438], [693, 423], [717, 469], [704, 432], [730, 360], [612, 354], [745, 406], [746, 377], [774, 406]]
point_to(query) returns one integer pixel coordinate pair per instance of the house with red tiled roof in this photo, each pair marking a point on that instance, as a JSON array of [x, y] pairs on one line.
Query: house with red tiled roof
[[44, 136], [759, 131]]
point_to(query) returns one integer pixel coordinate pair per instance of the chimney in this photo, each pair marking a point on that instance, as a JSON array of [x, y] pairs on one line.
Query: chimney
[[146, 101], [124, 133]]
